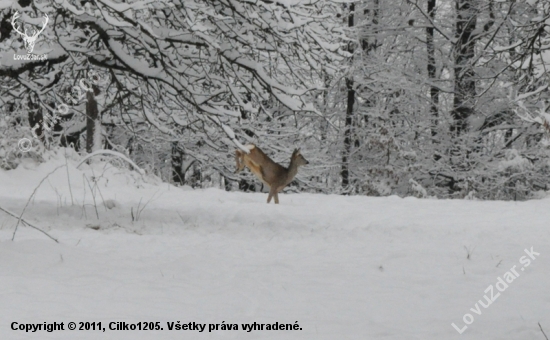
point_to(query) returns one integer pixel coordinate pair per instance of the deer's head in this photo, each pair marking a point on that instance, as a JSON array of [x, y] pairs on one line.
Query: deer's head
[[298, 159]]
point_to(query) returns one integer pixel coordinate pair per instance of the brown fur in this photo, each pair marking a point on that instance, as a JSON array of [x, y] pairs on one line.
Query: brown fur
[[275, 176]]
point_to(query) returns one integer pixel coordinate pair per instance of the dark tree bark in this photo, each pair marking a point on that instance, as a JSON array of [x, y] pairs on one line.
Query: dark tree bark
[[466, 34], [92, 119], [350, 137], [5, 26], [348, 127], [432, 70], [246, 186], [465, 86], [178, 174], [195, 180]]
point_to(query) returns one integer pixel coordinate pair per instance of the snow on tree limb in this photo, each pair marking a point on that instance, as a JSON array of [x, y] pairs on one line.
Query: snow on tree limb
[[212, 62], [112, 153]]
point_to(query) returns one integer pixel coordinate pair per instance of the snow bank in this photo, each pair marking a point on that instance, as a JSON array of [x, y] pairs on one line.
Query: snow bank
[[343, 267]]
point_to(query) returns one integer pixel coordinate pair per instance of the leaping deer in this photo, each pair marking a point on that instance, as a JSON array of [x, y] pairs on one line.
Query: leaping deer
[[29, 40], [275, 176]]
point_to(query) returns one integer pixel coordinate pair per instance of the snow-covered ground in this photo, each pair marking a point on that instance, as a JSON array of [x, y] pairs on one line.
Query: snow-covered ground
[[343, 267]]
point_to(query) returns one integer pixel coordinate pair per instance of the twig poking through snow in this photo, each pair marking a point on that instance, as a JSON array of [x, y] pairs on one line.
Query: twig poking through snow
[[112, 153], [93, 197], [68, 178], [469, 252], [138, 210], [28, 201], [543, 331], [28, 224]]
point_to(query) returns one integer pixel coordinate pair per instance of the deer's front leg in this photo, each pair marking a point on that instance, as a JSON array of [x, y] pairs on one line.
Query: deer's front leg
[[239, 160]]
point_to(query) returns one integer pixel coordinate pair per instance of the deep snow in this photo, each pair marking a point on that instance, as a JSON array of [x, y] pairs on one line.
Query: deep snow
[[343, 267]]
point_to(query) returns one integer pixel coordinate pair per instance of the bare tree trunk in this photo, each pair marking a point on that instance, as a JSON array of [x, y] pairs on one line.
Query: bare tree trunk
[[178, 174], [432, 71], [93, 122], [348, 127], [196, 176], [36, 121], [465, 86], [350, 133]]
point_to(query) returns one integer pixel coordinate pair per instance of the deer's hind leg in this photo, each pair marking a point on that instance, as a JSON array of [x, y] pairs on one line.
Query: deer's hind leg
[[272, 193]]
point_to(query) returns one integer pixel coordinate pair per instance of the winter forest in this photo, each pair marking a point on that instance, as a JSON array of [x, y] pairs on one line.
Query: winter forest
[[406, 144], [410, 98]]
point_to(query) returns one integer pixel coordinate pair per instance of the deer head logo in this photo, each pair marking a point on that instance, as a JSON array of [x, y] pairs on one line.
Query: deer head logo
[[28, 39]]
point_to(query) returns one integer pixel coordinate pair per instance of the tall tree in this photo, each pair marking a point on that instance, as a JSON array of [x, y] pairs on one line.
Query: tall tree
[[464, 53], [348, 123], [466, 37], [432, 69]]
